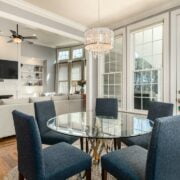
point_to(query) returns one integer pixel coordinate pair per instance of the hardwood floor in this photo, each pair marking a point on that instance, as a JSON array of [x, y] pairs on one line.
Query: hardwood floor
[[8, 155]]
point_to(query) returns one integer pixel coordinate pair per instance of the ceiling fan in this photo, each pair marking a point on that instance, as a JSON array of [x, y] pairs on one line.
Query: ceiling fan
[[17, 38]]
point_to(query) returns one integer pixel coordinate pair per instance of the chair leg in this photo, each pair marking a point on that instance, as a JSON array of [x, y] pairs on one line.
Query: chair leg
[[87, 146], [88, 174], [104, 174], [21, 177], [119, 143], [81, 142], [115, 144]]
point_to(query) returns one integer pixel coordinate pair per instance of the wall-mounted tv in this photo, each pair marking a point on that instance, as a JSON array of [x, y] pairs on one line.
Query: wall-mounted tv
[[8, 69]]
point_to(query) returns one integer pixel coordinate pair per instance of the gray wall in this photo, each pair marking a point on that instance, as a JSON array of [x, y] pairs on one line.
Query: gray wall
[[49, 56], [9, 51]]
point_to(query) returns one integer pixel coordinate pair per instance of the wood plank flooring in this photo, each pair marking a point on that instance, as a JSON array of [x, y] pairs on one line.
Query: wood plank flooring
[[8, 155]]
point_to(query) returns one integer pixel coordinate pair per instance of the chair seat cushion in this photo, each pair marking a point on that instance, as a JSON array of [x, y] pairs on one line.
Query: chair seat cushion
[[142, 140], [52, 138], [63, 160], [126, 164]]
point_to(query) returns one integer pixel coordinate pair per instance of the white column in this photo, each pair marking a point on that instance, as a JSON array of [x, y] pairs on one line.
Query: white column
[[92, 82], [19, 59]]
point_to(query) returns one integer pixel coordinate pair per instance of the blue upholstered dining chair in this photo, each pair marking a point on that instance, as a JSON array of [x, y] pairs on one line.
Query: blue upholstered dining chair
[[156, 110], [160, 162], [44, 111], [59, 161], [107, 107]]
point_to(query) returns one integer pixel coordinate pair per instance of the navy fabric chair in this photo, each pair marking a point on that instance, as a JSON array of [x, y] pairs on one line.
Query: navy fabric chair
[[44, 111], [59, 161], [161, 162], [107, 107], [156, 110]]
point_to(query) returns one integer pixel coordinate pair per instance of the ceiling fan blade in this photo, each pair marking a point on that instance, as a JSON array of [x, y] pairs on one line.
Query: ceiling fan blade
[[30, 37], [10, 41], [13, 32]]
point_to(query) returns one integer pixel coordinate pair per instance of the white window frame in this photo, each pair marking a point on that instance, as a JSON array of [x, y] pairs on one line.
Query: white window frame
[[77, 47], [130, 59], [61, 50], [174, 59], [119, 32], [75, 81], [59, 81]]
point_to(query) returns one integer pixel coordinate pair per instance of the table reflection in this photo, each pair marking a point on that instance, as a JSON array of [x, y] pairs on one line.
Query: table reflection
[[86, 124]]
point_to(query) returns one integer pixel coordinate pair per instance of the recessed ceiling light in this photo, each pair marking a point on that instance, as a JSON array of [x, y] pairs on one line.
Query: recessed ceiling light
[[34, 34]]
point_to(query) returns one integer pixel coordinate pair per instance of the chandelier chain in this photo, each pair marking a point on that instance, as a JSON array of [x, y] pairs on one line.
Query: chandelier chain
[[99, 13]]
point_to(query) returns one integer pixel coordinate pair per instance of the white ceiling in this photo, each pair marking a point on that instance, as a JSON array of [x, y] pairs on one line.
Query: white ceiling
[[44, 38], [85, 11]]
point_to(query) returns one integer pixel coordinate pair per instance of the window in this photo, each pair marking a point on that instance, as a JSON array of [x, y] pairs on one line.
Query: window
[[76, 72], [63, 79], [113, 76], [75, 77], [63, 55], [77, 53], [148, 55], [70, 72]]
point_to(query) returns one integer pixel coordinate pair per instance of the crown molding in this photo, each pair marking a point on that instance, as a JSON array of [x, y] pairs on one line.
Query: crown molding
[[152, 12], [62, 45], [40, 26], [45, 13], [44, 45], [58, 45]]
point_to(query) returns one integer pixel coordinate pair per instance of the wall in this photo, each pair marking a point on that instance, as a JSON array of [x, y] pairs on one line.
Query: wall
[[9, 51], [47, 54], [15, 52]]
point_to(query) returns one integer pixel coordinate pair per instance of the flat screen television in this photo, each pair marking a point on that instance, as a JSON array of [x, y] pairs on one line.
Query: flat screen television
[[8, 69]]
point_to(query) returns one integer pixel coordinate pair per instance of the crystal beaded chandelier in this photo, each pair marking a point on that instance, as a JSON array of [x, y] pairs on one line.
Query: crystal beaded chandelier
[[99, 39]]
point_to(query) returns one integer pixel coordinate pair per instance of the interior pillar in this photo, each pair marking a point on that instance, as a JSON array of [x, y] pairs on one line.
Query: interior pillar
[[92, 82]]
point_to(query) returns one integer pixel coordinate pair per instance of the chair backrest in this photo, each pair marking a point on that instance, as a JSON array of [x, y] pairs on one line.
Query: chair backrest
[[44, 111], [159, 109], [30, 158], [107, 107], [163, 160]]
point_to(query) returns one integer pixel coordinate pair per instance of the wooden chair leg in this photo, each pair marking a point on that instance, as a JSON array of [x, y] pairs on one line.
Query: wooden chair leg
[[104, 174], [88, 174], [81, 142], [21, 177], [87, 146], [119, 143], [115, 144]]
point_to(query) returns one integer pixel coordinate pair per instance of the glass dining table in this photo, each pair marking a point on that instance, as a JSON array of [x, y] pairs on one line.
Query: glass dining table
[[101, 132]]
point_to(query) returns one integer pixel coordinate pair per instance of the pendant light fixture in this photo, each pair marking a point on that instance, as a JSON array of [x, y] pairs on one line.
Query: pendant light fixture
[[99, 39]]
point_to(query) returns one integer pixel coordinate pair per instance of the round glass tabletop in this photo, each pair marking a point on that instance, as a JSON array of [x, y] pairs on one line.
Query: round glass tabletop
[[86, 124]]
